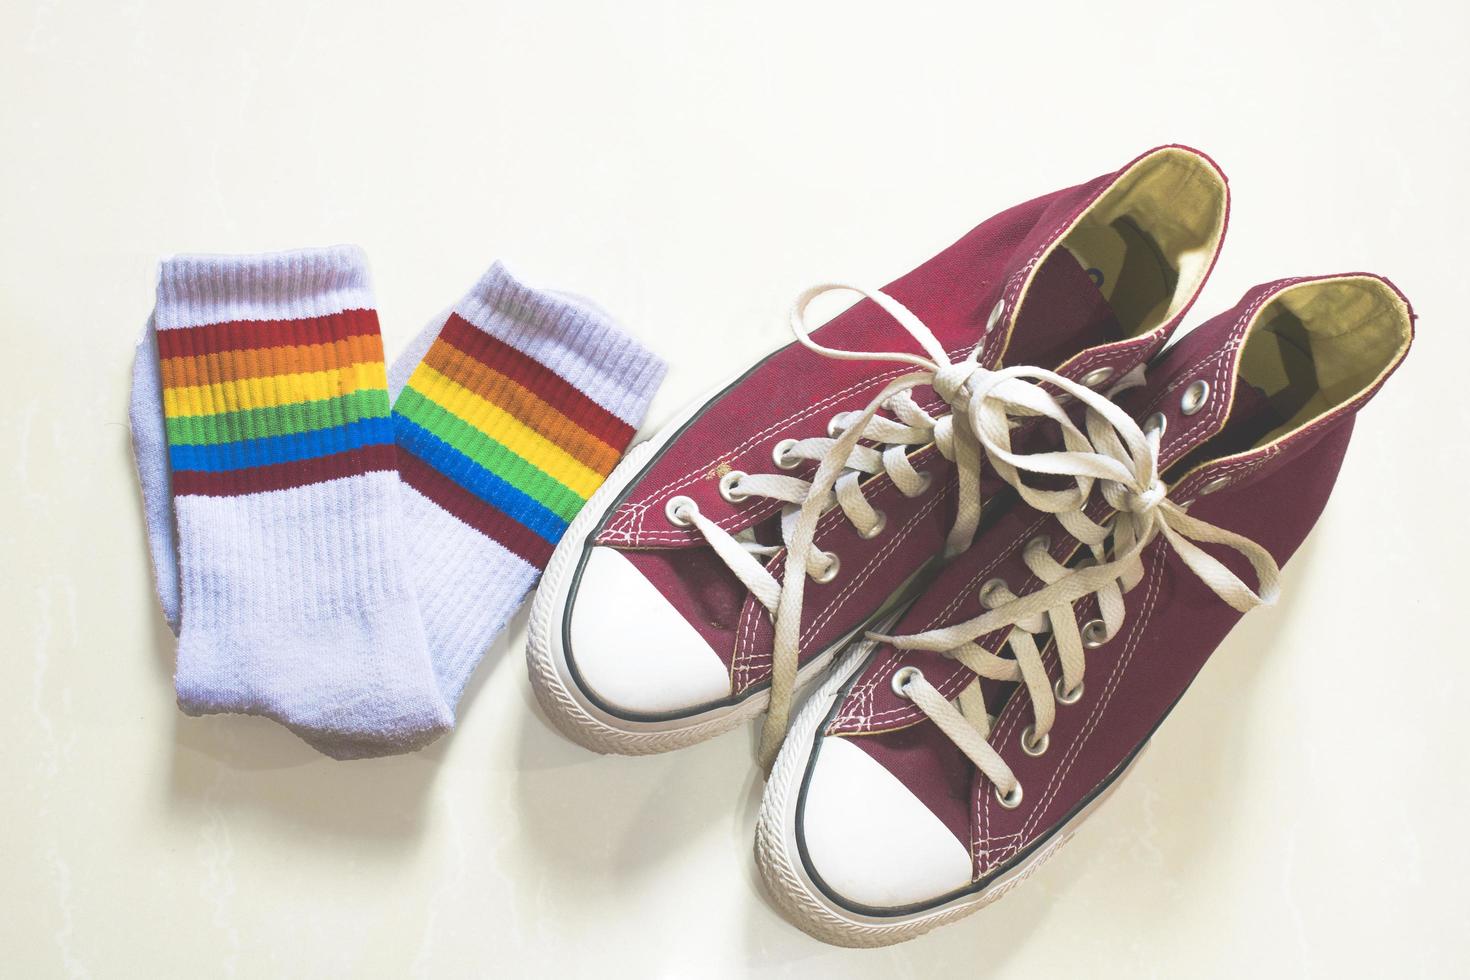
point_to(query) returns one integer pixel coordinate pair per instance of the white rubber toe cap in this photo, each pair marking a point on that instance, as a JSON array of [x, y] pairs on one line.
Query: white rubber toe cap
[[872, 841], [632, 650]]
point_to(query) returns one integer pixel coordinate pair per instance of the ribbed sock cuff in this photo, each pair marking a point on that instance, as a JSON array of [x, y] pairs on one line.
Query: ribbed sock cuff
[[288, 389], [520, 407], [581, 345], [194, 290]]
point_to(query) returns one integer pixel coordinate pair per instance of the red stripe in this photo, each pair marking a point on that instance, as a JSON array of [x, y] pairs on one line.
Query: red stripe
[[455, 499], [536, 377], [281, 476], [215, 338]]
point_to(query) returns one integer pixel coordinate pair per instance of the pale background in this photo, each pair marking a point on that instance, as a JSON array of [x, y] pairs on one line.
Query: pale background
[[1303, 812]]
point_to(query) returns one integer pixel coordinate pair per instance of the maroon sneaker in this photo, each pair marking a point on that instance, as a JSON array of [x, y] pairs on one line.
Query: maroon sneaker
[[936, 768], [666, 615]]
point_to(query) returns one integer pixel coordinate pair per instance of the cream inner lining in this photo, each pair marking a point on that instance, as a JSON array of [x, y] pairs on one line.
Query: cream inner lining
[[1149, 241], [1321, 344]]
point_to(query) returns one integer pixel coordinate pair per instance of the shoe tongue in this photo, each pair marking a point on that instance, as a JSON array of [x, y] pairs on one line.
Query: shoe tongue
[[1252, 415], [1063, 312]]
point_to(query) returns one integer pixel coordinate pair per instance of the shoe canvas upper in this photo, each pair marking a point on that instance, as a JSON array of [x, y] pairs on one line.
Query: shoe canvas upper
[[1040, 283], [1287, 369]]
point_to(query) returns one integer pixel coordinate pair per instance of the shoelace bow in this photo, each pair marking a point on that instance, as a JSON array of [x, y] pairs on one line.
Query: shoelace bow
[[1122, 461], [1114, 455]]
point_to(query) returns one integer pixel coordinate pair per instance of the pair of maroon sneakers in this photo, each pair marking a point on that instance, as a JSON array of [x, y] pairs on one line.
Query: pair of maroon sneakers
[[1014, 539]]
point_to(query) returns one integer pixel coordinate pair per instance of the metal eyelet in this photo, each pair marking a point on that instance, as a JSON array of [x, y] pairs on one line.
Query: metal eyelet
[[1096, 376], [990, 588], [1194, 397], [835, 425], [830, 572], [903, 677], [1009, 800], [1094, 633], [1155, 423], [673, 508], [1032, 745], [1065, 696], [779, 457], [729, 490], [995, 313], [1218, 483], [877, 528]]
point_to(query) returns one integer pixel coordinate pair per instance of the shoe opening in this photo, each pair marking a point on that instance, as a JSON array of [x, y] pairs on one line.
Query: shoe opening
[[1319, 345], [1149, 241], [1313, 348]]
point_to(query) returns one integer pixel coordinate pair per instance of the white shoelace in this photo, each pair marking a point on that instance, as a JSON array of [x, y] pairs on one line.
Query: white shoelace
[[842, 464], [1123, 462]]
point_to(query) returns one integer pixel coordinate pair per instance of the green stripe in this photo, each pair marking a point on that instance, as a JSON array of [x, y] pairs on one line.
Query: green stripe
[[278, 420], [546, 490]]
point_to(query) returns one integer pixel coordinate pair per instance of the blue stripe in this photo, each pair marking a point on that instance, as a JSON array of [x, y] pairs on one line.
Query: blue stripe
[[477, 480], [248, 453]]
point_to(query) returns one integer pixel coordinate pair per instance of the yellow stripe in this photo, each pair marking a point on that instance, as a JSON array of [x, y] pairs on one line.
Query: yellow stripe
[[280, 389], [505, 429]]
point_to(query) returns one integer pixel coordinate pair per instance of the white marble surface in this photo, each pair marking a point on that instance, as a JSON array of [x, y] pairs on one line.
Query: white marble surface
[[691, 169]]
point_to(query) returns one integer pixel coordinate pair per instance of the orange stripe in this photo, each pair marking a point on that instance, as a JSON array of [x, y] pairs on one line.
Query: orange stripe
[[523, 405], [264, 362], [534, 376]]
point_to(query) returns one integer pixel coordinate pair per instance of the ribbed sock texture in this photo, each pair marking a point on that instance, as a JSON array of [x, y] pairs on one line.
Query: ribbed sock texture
[[509, 412], [295, 601], [518, 405]]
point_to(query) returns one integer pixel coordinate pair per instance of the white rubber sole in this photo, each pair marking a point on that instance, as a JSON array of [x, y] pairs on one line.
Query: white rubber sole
[[578, 716], [573, 713], [784, 873], [569, 709]]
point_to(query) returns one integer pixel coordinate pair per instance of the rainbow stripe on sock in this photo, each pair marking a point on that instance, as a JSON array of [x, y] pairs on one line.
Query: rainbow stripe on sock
[[252, 406], [501, 441]]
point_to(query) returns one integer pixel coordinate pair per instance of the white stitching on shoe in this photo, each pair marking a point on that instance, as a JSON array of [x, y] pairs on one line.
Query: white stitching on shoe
[[1006, 724], [878, 670], [1140, 627]]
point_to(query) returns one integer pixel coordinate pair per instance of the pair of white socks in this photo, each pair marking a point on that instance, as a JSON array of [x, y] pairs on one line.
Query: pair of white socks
[[335, 560]]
